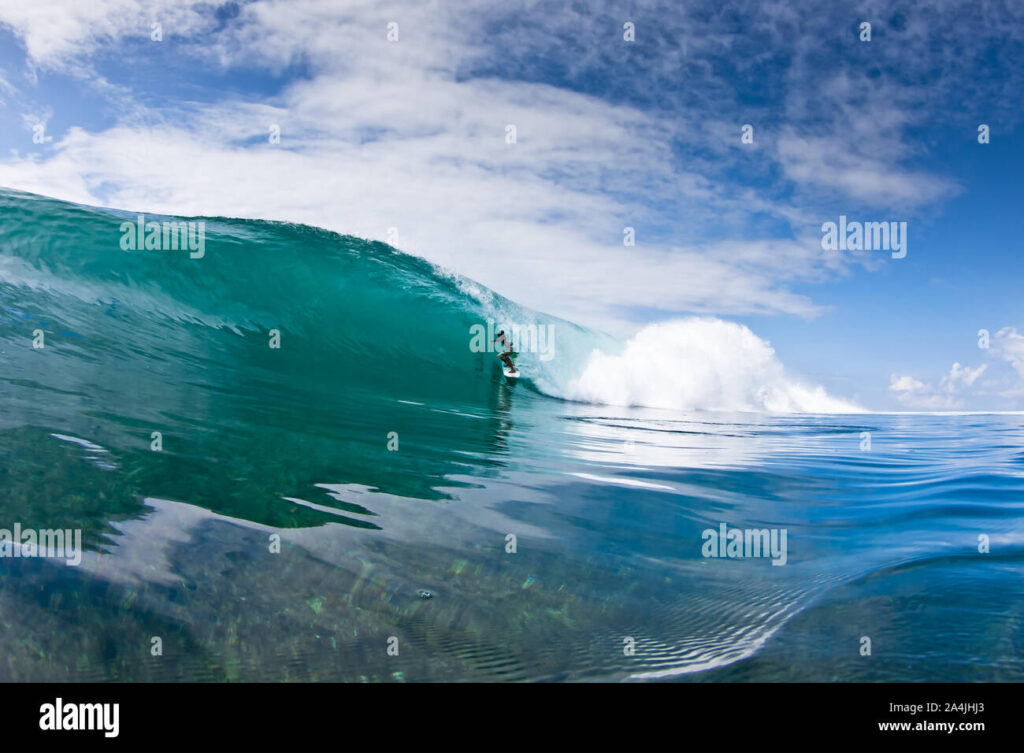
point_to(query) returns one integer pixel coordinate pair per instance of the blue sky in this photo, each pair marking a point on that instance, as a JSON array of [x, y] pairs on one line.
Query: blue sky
[[411, 135]]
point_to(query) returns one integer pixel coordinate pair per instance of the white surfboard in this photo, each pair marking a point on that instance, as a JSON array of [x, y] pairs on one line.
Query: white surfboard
[[509, 373]]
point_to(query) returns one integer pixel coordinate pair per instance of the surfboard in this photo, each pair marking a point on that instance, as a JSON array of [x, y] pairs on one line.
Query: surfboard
[[509, 373]]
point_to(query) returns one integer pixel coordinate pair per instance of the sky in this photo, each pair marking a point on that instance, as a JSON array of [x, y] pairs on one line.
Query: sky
[[394, 123]]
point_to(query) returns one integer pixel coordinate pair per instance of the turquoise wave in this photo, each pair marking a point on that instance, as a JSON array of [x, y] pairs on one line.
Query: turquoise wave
[[352, 314]]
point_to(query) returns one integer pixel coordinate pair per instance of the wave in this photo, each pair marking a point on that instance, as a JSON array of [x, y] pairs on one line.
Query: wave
[[354, 317]]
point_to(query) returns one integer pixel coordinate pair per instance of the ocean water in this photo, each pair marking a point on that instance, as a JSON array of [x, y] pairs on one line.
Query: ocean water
[[394, 465]]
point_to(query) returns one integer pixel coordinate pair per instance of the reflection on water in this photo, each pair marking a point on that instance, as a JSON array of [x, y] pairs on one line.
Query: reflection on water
[[607, 507]]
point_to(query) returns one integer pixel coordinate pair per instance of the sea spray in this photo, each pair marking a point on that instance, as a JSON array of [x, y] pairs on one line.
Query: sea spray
[[699, 364]]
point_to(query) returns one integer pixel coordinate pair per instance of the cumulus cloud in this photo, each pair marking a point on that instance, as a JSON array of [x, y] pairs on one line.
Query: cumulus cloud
[[948, 394], [1009, 345], [1007, 348], [906, 384]]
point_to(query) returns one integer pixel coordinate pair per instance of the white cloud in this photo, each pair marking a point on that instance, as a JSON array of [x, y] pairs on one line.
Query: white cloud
[[858, 174], [906, 384], [1009, 344], [962, 377], [948, 394], [5, 85], [57, 32]]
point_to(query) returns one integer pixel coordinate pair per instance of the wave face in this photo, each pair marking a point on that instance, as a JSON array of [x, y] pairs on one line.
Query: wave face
[[357, 314]]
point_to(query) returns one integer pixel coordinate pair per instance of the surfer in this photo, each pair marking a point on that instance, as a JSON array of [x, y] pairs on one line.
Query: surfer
[[509, 354]]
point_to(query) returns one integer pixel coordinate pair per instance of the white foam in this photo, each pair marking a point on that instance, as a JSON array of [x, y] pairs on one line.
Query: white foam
[[82, 442], [699, 364], [624, 481]]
